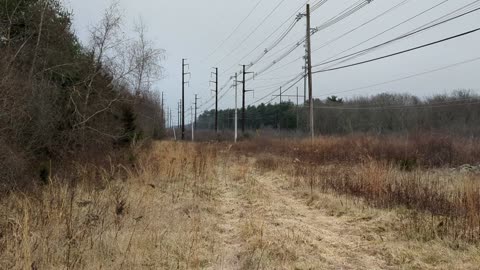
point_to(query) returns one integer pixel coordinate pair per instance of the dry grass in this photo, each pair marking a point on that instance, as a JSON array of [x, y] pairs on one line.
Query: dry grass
[[440, 203], [406, 152], [387, 172], [203, 206], [159, 216]]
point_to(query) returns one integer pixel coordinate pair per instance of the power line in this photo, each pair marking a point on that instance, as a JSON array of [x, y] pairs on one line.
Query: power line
[[318, 5], [252, 32], [424, 27], [281, 38], [406, 77], [344, 14], [363, 24], [417, 15], [339, 17], [289, 29], [269, 36], [400, 52], [390, 81], [297, 79], [212, 98], [235, 29]]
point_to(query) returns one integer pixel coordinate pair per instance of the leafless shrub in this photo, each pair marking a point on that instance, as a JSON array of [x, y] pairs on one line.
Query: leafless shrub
[[408, 152]]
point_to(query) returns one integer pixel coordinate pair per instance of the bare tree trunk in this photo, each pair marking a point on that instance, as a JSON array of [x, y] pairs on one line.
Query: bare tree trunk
[[40, 28]]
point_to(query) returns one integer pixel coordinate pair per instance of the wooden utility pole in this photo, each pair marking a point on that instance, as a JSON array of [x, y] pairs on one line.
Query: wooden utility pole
[[297, 109], [183, 99], [236, 109], [216, 98], [183, 96], [191, 117], [305, 81], [179, 115], [244, 91], [196, 107], [243, 101], [167, 118], [309, 66]]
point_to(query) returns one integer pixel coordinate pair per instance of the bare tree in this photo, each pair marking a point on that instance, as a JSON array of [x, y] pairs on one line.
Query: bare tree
[[44, 3], [146, 59]]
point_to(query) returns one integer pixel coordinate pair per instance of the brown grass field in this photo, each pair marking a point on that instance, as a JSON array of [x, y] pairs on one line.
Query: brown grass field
[[356, 202]]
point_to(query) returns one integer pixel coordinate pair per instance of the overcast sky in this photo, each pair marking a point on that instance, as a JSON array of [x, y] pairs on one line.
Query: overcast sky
[[193, 29]]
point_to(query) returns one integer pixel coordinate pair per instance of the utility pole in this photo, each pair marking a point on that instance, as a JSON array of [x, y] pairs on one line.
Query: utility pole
[[174, 132], [310, 83], [216, 98], [191, 117], [166, 119], [195, 122], [163, 114], [179, 115], [236, 109], [305, 80], [243, 101], [297, 110], [183, 96], [278, 114]]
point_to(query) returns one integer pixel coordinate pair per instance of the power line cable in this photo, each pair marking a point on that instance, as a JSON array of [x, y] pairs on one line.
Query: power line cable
[[346, 13], [424, 27], [400, 52], [363, 52], [252, 32], [296, 79], [405, 77], [268, 37], [363, 24], [401, 23], [235, 30]]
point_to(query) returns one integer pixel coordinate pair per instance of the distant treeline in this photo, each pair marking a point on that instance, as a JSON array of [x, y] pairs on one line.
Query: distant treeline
[[63, 101], [458, 112]]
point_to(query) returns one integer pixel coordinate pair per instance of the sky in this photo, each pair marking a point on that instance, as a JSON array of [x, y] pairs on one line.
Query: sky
[[194, 30]]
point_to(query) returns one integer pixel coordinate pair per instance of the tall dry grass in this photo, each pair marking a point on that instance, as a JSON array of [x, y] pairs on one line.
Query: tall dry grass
[[389, 172], [156, 214], [438, 203], [425, 150]]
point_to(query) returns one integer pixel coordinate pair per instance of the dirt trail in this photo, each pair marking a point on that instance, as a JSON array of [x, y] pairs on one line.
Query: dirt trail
[[331, 242], [265, 223], [230, 211], [263, 226]]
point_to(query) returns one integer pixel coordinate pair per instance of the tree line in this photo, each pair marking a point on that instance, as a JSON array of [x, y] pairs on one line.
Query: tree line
[[63, 100], [457, 112]]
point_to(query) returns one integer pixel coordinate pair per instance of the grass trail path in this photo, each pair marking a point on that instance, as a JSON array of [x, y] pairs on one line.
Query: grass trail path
[[264, 226]]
